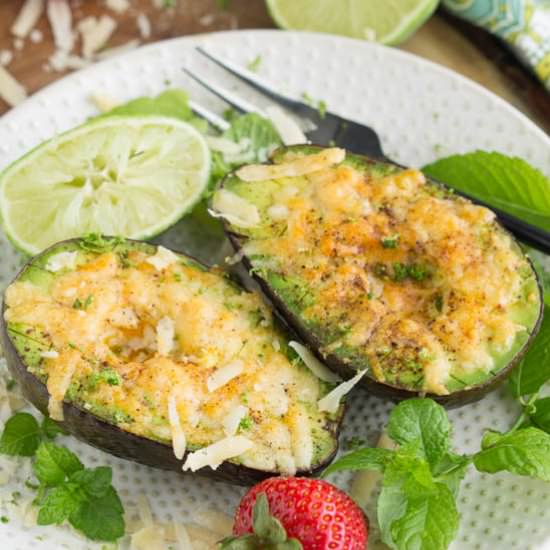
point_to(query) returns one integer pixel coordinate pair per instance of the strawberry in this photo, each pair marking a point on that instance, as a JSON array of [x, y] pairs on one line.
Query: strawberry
[[294, 512]]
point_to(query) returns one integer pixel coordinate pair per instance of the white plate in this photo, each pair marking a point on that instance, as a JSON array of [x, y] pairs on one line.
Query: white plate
[[421, 112]]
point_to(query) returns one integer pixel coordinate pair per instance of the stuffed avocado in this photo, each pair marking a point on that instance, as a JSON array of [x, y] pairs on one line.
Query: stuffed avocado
[[153, 357], [378, 268]]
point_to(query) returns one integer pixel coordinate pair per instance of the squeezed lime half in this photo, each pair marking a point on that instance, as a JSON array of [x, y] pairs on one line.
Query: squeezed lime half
[[129, 176], [386, 21]]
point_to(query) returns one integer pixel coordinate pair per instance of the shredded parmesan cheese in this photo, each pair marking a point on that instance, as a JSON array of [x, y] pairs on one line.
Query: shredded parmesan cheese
[[95, 33], [236, 210], [224, 374], [233, 419], [165, 336], [331, 401], [118, 6], [144, 510], [6, 57], [49, 354], [214, 520], [61, 61], [182, 537], [278, 212], [148, 538], [104, 102], [314, 365], [144, 25], [287, 128], [179, 442], [59, 382], [63, 260], [27, 17], [60, 18], [294, 168], [213, 455], [117, 50], [162, 259], [11, 91]]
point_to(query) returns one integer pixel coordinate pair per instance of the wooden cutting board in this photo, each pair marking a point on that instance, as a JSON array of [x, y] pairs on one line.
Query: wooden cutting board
[[441, 40]]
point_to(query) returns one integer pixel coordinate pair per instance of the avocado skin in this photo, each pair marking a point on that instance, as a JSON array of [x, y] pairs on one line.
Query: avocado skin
[[372, 386], [113, 440]]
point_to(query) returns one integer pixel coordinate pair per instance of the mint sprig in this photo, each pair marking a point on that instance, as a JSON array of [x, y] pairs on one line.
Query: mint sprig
[[22, 434], [67, 491], [421, 477]]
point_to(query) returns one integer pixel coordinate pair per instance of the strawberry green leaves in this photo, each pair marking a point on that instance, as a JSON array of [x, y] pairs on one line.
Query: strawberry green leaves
[[269, 533]]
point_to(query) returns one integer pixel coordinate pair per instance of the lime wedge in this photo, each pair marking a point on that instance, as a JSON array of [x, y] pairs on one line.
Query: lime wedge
[[128, 176], [386, 21]]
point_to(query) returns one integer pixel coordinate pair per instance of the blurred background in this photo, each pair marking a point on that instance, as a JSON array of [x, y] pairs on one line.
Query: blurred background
[[502, 44]]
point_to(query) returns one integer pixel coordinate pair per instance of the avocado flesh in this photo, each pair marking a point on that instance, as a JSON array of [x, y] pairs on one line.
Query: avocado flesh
[[397, 365], [100, 402]]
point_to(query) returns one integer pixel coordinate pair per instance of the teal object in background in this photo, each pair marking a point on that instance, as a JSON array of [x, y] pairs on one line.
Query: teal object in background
[[523, 24]]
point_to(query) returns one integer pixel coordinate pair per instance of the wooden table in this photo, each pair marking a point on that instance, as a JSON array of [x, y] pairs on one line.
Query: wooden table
[[438, 40]]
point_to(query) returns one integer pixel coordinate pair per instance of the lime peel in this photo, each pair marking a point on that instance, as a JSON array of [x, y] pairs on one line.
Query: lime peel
[[389, 22], [132, 176]]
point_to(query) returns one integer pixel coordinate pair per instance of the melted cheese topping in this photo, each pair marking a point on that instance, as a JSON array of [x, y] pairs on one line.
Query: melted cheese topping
[[391, 274], [174, 353]]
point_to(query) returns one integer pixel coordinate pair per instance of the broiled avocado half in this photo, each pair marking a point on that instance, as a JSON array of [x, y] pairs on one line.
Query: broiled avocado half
[[148, 354], [378, 268]]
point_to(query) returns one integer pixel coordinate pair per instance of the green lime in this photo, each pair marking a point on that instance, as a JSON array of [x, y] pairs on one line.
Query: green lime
[[128, 176], [384, 21]]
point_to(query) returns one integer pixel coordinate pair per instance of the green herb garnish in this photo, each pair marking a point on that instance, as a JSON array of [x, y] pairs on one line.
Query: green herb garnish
[[246, 423], [67, 491], [83, 305], [254, 65], [391, 241]]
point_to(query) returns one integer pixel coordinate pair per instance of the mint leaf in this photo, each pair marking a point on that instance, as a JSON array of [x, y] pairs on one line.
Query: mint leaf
[[534, 369], [364, 459], [100, 518], [59, 504], [53, 464], [541, 262], [421, 420], [508, 183], [430, 521], [171, 103], [51, 429], [95, 482], [524, 452], [414, 511], [450, 471], [21, 435], [261, 133], [541, 417]]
